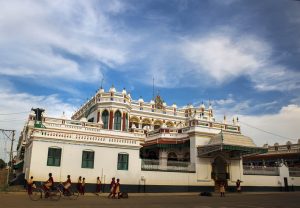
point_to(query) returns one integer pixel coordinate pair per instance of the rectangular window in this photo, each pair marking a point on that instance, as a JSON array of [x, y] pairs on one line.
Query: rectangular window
[[123, 161], [87, 159], [54, 156]]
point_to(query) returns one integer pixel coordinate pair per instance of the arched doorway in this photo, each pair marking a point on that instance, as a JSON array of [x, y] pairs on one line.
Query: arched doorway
[[219, 172], [219, 169]]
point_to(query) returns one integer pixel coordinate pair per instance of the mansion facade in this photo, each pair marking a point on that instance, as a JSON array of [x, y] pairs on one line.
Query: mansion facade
[[150, 146]]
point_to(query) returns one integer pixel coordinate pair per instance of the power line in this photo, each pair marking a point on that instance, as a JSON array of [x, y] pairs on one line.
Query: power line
[[268, 132], [3, 114]]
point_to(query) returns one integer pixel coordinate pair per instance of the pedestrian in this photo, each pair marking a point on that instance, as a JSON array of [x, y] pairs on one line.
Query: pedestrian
[[117, 189], [79, 185], [98, 186], [112, 187], [222, 189], [238, 186], [83, 186]]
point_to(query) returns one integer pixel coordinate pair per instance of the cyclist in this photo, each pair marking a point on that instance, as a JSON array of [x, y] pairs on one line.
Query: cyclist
[[67, 184], [30, 185], [48, 185]]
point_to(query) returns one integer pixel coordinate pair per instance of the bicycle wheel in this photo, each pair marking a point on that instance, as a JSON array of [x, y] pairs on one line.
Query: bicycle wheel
[[55, 195], [36, 194], [74, 194]]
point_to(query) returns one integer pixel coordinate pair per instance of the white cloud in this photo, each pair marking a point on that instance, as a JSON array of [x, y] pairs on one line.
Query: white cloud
[[15, 108], [226, 55], [284, 123], [54, 39], [224, 58]]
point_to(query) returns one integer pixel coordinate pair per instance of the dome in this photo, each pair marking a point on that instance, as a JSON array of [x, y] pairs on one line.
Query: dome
[[129, 95], [190, 106], [112, 89], [202, 106], [152, 102], [101, 90], [124, 91], [210, 107], [140, 100], [174, 105], [164, 104]]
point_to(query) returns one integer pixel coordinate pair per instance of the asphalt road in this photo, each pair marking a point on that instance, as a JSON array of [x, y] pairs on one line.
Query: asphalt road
[[231, 200]]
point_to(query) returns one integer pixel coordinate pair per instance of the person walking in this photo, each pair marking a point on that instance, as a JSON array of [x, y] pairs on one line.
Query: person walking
[[238, 186], [83, 186], [98, 186], [79, 185], [112, 187], [117, 189], [222, 189]]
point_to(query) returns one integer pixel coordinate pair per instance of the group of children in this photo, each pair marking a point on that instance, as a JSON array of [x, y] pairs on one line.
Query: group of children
[[114, 186], [81, 185], [114, 189]]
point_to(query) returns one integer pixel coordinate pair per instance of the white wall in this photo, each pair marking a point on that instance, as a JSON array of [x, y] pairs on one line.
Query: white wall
[[105, 163]]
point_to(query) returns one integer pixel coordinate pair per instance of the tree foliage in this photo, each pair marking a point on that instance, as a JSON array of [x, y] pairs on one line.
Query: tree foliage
[[2, 164]]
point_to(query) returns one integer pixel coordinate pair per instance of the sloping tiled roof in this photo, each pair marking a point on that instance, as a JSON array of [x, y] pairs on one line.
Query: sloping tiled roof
[[231, 139]]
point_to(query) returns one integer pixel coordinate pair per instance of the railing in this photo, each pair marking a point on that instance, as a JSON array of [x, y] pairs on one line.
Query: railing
[[171, 166], [294, 171], [261, 170]]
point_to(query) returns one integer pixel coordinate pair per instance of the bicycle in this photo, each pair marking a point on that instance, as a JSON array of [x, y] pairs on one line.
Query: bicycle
[[70, 192], [38, 193]]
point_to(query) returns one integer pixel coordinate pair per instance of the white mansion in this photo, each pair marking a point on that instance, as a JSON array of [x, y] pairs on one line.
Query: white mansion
[[150, 146]]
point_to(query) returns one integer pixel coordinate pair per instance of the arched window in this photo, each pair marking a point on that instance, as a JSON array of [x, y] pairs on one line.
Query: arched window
[[105, 119], [117, 120]]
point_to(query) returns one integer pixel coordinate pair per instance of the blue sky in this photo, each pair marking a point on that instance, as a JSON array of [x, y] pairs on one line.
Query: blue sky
[[241, 55]]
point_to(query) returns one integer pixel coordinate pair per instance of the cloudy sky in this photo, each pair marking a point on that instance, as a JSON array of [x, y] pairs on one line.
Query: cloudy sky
[[243, 55]]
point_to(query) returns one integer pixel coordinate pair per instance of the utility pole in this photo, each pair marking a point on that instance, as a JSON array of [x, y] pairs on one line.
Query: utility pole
[[10, 134]]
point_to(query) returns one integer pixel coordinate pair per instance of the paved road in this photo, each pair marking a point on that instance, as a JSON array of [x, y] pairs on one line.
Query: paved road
[[189, 201]]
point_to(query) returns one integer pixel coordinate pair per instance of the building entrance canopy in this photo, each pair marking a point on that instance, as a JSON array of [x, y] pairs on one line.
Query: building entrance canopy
[[228, 142]]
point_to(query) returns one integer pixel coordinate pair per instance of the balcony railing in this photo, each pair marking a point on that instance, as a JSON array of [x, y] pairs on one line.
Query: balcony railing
[[294, 171], [171, 166], [261, 170]]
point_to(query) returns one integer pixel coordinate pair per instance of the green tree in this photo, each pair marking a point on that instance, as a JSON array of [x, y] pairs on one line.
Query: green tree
[[2, 164]]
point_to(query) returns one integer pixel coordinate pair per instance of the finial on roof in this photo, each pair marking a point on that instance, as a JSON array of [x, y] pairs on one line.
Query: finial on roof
[[202, 105], [124, 91], [112, 89]]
